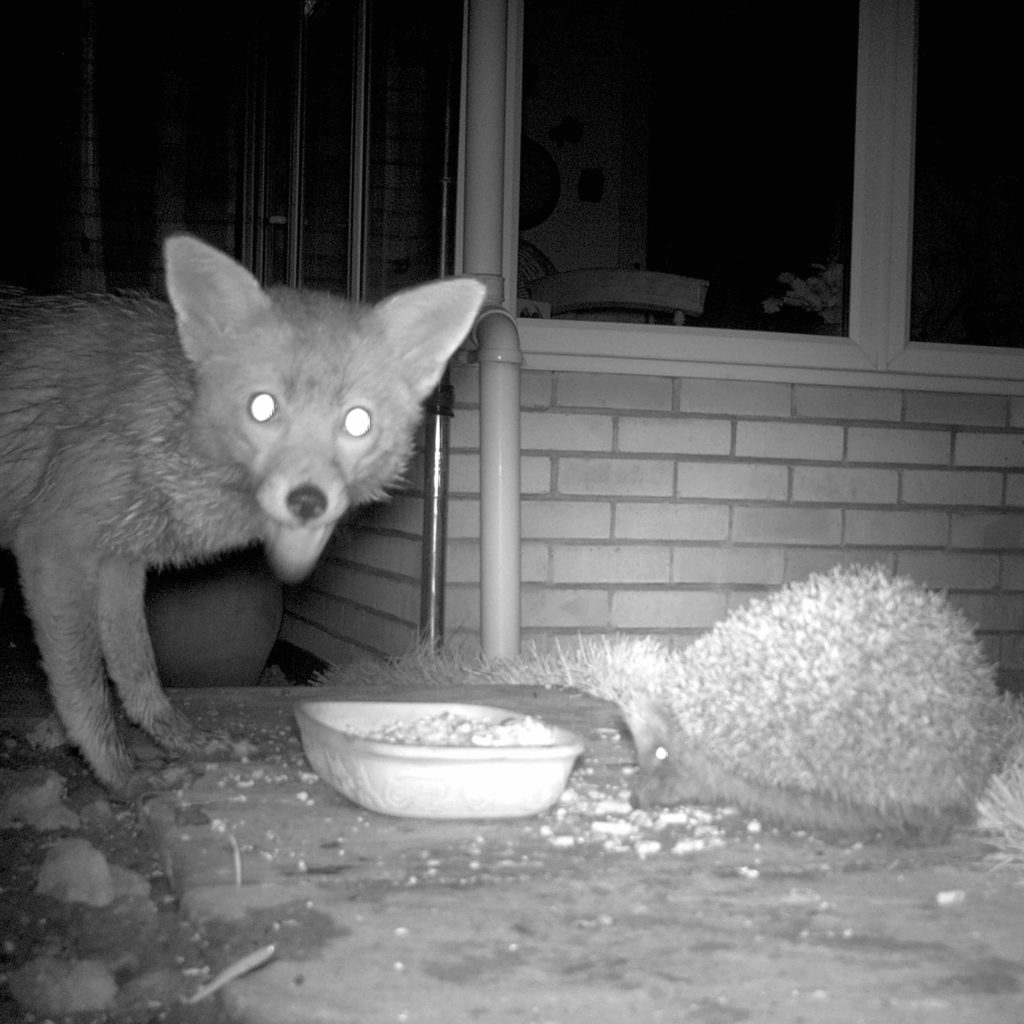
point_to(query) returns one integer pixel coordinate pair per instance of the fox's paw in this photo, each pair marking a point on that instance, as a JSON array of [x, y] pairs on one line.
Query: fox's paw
[[219, 747], [177, 735]]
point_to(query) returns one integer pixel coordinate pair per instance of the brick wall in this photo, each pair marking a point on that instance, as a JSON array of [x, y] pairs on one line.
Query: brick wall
[[655, 505], [667, 502]]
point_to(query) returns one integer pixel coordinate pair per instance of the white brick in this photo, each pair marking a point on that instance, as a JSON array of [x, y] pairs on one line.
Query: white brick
[[956, 410], [773, 525], [768, 440], [610, 563], [884, 444], [465, 430], [613, 391], [573, 432], [733, 398], [1015, 490], [634, 477], [736, 480], [461, 610], [996, 532], [462, 564], [944, 570], [991, 611], [1010, 655], [536, 475], [847, 403], [801, 563], [989, 450], [1013, 572], [534, 562], [845, 485], [682, 435], [466, 383], [535, 389], [559, 519], [896, 529], [463, 519], [561, 607], [950, 487], [719, 565], [464, 473], [666, 609], [670, 521]]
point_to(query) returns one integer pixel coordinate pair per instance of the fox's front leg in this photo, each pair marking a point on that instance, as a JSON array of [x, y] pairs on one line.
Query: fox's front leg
[[59, 587], [132, 666]]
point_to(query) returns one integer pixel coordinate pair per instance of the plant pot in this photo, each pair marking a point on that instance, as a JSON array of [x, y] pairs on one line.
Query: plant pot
[[214, 624]]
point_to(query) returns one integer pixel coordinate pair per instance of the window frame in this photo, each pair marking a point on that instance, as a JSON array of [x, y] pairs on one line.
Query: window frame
[[877, 351]]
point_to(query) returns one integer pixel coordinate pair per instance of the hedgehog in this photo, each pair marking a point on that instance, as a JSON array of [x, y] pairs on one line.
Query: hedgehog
[[850, 702]]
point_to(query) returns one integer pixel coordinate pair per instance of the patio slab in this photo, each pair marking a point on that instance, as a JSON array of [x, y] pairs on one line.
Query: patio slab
[[587, 913]]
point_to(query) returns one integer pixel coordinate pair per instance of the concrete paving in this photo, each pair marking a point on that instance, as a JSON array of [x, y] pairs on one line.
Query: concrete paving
[[586, 913]]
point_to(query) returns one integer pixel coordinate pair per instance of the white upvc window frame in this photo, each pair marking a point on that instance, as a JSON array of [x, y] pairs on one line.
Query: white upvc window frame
[[877, 351]]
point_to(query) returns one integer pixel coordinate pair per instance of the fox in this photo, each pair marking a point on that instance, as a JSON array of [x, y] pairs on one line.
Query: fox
[[139, 433]]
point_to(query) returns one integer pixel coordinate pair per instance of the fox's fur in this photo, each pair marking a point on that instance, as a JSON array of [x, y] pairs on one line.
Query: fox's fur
[[134, 435]]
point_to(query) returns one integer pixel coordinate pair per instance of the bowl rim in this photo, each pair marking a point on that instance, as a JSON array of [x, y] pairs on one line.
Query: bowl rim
[[567, 742]]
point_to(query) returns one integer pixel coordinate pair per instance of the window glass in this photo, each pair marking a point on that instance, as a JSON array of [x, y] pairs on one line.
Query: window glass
[[712, 143], [968, 252]]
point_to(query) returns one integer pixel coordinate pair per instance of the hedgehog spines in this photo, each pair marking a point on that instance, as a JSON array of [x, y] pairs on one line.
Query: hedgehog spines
[[853, 700]]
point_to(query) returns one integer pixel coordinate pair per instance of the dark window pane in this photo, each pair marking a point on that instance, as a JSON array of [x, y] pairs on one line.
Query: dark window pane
[[712, 142], [968, 270]]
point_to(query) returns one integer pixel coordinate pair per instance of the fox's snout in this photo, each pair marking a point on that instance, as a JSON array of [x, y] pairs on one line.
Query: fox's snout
[[300, 510], [306, 502]]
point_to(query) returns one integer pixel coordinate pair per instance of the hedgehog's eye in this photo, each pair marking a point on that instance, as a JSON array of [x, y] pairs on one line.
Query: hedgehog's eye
[[357, 422], [262, 406], [660, 754]]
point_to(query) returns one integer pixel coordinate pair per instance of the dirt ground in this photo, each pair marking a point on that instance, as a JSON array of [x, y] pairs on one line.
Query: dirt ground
[[589, 913]]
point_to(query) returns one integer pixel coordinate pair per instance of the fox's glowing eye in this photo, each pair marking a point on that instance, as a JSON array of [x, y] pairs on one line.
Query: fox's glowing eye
[[357, 421], [262, 407], [660, 754]]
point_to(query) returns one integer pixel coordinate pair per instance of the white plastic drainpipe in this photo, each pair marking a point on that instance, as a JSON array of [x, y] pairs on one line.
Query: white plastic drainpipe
[[497, 337], [500, 360]]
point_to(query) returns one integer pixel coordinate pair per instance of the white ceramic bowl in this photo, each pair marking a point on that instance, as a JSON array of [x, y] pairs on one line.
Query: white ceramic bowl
[[419, 781]]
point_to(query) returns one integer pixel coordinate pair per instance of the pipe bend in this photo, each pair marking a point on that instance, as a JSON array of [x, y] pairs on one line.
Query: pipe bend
[[497, 337]]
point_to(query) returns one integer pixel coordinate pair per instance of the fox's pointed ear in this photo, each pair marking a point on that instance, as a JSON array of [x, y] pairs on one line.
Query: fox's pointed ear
[[427, 324], [211, 294]]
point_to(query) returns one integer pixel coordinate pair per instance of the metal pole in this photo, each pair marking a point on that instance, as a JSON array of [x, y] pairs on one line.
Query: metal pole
[[297, 154], [500, 603], [440, 407], [499, 352]]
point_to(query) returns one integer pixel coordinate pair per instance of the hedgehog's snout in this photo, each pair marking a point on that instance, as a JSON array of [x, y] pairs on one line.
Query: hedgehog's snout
[[642, 800], [656, 781]]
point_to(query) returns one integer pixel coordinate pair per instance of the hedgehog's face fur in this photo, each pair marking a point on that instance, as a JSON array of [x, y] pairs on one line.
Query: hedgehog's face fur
[[659, 782], [672, 770]]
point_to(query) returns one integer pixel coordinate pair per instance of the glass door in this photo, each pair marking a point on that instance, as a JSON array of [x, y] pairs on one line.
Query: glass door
[[306, 137]]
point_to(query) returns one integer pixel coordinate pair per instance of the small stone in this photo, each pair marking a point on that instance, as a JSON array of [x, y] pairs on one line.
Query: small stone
[[49, 985], [74, 871]]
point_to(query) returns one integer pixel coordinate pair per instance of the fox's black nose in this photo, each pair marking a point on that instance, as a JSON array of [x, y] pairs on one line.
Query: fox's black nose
[[307, 502]]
